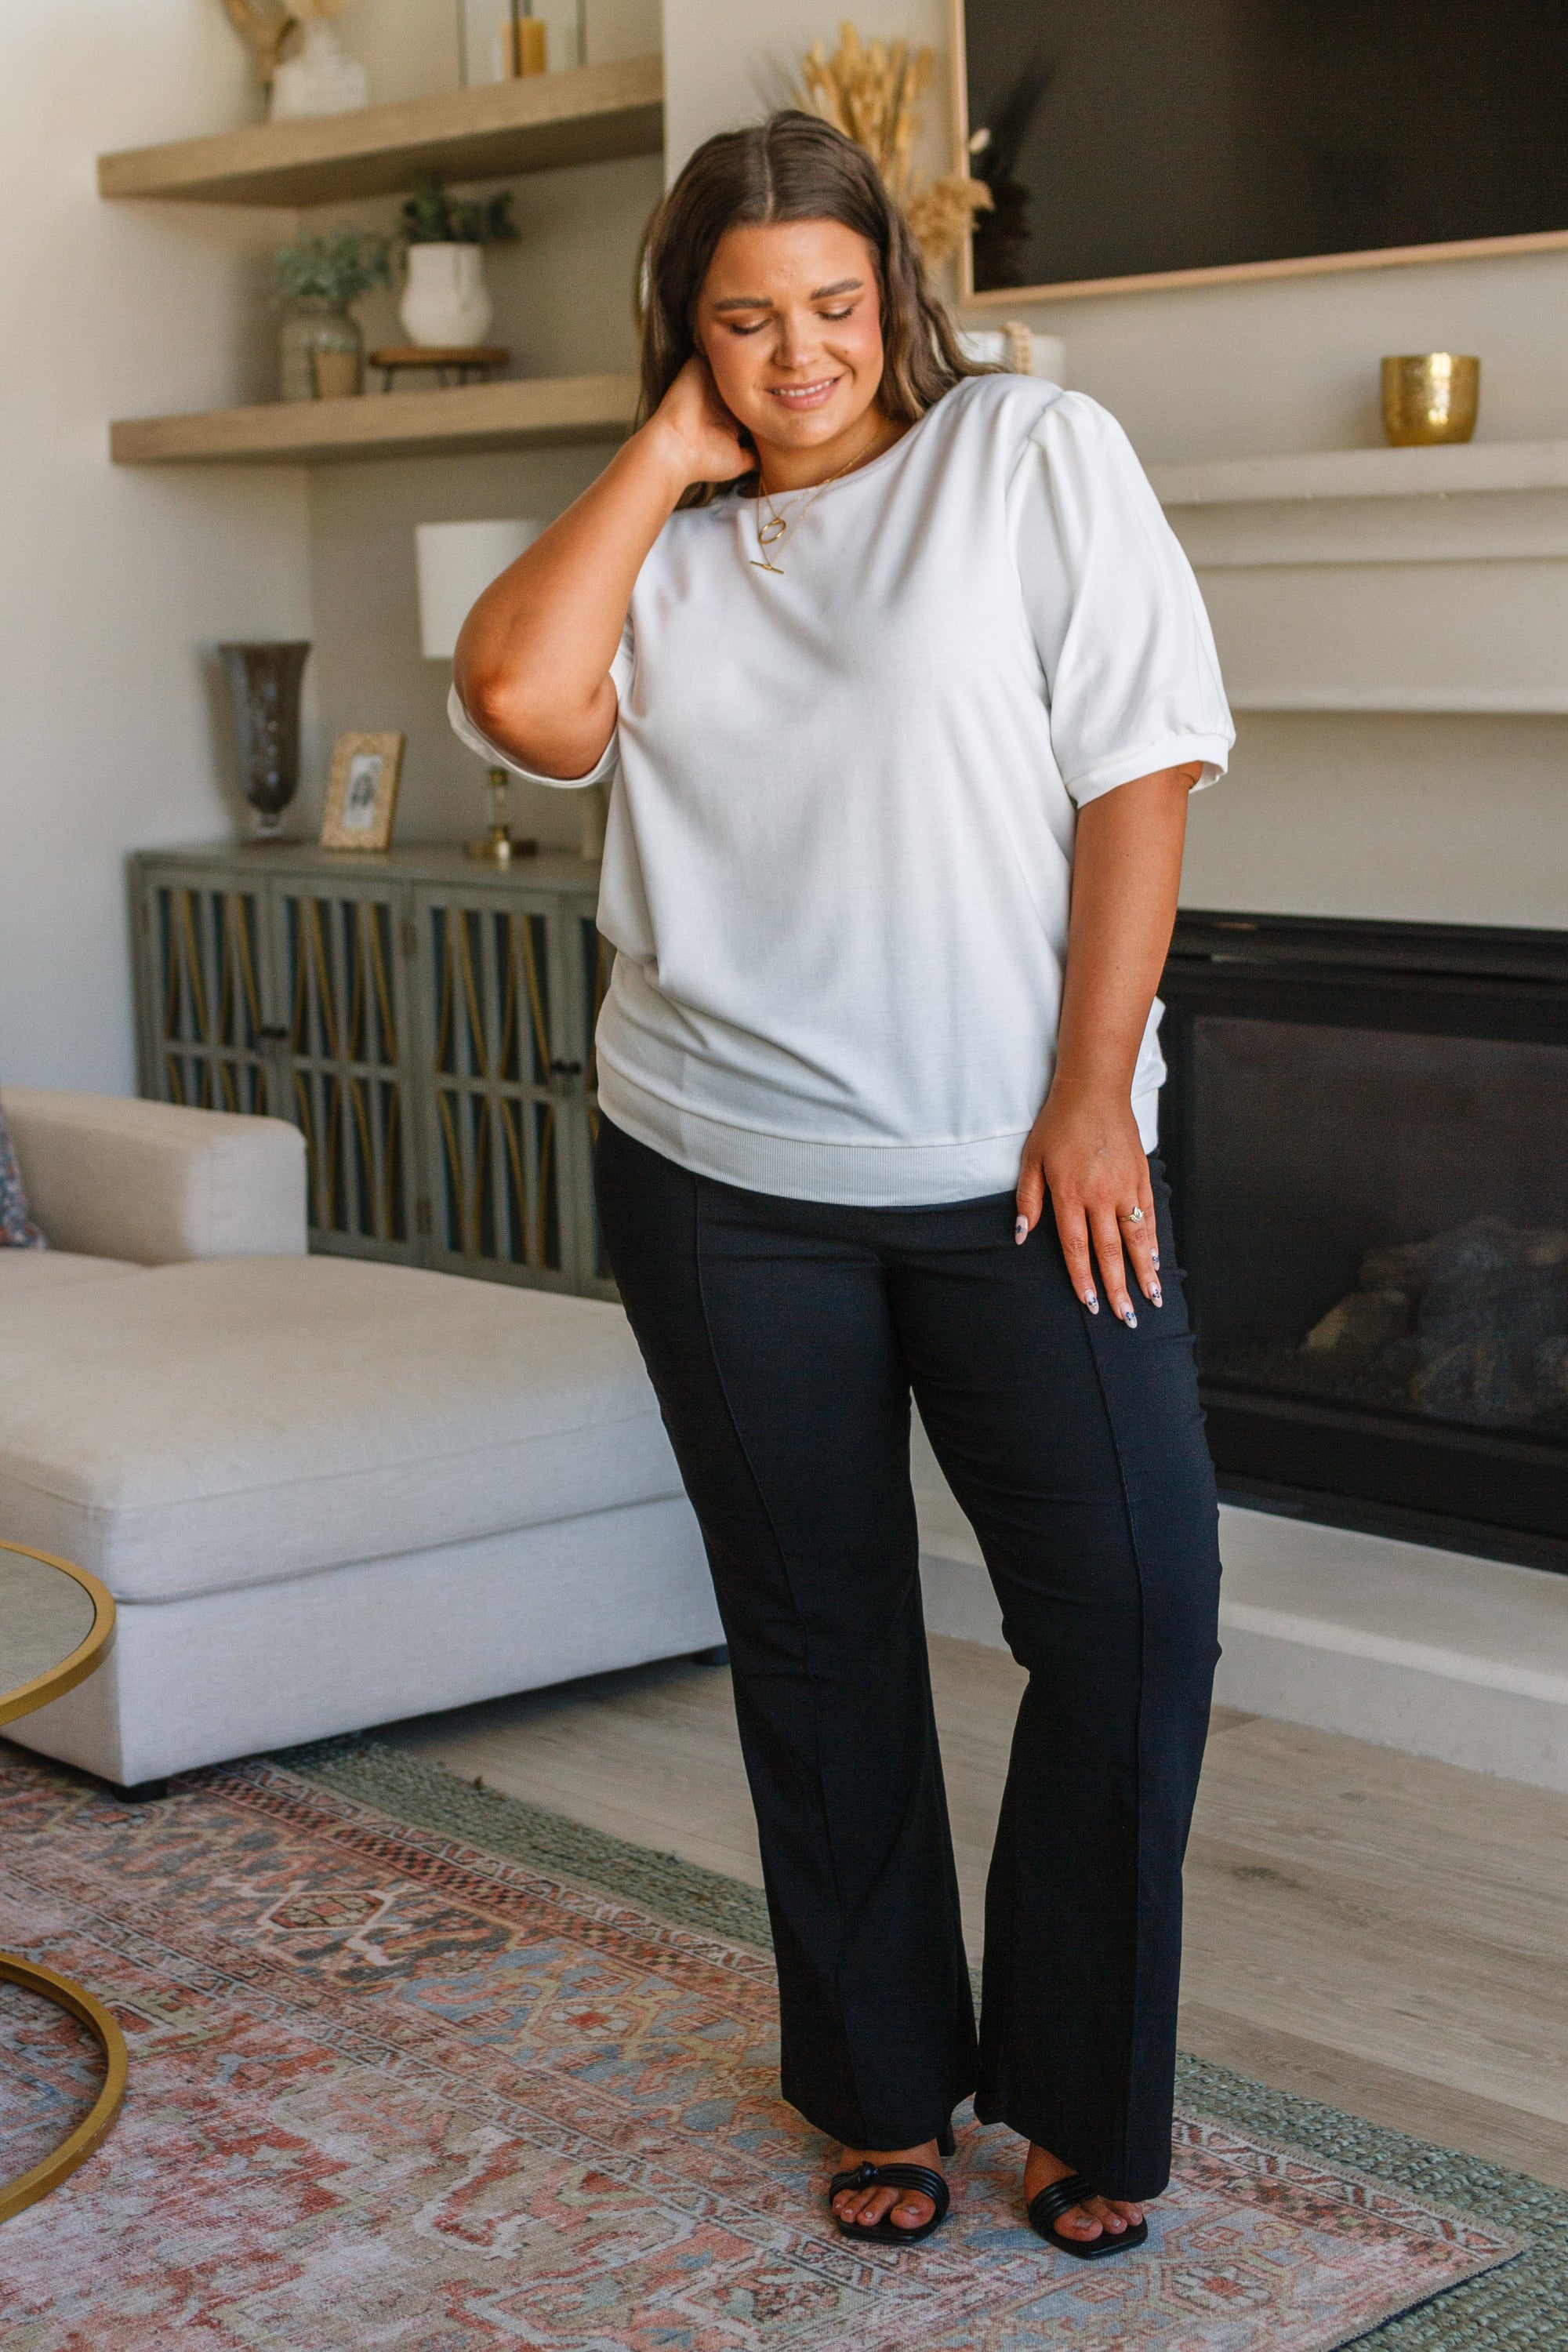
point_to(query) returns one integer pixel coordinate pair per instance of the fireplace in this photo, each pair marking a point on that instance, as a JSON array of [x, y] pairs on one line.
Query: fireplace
[[1366, 1131]]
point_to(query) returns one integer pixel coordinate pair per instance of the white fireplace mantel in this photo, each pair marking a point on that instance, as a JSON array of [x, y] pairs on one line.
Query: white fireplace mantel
[[1394, 579]]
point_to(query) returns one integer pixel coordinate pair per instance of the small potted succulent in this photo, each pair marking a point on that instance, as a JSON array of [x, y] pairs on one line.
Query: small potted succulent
[[317, 277], [446, 304]]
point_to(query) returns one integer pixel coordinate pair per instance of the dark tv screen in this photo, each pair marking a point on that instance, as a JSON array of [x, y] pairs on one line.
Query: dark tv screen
[[1135, 136]]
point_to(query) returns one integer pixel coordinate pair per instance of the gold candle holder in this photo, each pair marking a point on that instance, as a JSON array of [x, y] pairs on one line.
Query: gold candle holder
[[526, 44], [499, 845], [1430, 396]]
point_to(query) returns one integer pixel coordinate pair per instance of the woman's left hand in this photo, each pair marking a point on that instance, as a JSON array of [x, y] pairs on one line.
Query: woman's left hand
[[1083, 1150]]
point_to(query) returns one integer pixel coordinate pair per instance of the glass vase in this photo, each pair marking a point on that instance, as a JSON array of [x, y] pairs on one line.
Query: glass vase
[[323, 331], [265, 682]]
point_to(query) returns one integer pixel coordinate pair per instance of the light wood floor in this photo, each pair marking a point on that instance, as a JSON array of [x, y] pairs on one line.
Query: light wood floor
[[1382, 1933]]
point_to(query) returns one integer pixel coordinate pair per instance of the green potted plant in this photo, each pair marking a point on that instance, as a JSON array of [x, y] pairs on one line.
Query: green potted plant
[[316, 278], [446, 303]]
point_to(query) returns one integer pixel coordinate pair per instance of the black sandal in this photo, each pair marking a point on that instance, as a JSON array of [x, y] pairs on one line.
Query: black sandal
[[919, 2177], [1046, 2209]]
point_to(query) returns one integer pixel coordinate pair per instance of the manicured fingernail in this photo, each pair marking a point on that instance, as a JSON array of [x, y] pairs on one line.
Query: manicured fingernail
[[1021, 1230], [1092, 1302], [1129, 1318], [1154, 1294]]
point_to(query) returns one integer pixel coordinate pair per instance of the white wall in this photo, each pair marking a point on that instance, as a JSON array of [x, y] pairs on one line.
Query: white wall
[[114, 582]]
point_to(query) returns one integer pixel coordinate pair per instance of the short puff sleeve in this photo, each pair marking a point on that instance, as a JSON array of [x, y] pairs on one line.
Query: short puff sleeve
[[1131, 675]]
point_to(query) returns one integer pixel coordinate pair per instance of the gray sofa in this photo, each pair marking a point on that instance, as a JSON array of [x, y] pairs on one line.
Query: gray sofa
[[324, 1491]]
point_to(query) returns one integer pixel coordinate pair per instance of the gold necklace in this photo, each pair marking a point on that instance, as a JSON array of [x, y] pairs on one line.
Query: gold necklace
[[774, 532]]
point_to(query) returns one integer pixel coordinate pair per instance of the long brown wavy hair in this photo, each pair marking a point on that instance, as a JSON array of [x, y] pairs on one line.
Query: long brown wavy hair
[[793, 167]]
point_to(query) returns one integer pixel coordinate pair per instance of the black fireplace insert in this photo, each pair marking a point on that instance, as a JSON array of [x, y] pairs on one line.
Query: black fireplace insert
[[1366, 1131]]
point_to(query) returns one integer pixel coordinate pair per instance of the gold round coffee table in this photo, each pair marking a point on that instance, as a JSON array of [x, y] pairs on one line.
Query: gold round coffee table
[[56, 1623]]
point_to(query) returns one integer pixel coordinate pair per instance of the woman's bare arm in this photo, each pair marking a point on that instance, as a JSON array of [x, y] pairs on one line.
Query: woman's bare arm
[[533, 664], [1084, 1149]]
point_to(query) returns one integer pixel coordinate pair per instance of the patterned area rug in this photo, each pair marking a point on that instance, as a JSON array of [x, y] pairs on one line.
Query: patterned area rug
[[393, 2086]]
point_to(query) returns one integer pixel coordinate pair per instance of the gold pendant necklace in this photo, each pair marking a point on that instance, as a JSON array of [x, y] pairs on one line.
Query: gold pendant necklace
[[777, 528]]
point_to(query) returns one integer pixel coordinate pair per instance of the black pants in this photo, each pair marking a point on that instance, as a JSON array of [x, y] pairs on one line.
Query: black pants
[[783, 1338]]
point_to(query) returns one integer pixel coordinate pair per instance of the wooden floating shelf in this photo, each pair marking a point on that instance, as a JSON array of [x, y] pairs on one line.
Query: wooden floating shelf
[[541, 413], [587, 114]]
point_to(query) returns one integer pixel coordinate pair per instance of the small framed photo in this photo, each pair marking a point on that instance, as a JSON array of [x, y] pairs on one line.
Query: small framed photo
[[362, 791]]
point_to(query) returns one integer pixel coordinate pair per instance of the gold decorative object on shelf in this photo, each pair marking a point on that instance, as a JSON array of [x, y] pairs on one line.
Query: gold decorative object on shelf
[[500, 845], [525, 46], [1430, 396], [872, 91]]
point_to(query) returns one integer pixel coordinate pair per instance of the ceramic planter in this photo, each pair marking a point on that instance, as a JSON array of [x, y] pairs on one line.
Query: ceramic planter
[[446, 301]]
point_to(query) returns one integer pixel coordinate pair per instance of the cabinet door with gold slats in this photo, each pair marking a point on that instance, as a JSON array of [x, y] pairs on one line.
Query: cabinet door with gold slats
[[499, 1088], [341, 951], [203, 995]]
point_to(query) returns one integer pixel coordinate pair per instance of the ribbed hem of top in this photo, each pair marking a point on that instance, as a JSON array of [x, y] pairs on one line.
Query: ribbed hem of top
[[853, 1175]]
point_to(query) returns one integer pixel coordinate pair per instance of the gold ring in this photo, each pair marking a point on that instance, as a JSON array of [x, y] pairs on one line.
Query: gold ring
[[1130, 1216]]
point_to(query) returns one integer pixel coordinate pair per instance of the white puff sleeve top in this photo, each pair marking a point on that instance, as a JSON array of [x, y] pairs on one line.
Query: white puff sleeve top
[[845, 794]]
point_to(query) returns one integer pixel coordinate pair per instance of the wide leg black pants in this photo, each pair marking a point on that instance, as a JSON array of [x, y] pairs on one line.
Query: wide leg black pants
[[783, 1338]]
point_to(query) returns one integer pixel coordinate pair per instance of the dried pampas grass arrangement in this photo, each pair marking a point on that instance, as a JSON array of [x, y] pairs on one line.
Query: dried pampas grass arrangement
[[264, 26], [942, 214], [872, 91], [267, 26]]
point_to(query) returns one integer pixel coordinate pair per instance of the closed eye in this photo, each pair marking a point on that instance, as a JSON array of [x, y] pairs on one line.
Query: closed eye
[[756, 325]]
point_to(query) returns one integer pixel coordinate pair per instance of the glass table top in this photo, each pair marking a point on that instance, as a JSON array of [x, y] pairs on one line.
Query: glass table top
[[45, 1614]]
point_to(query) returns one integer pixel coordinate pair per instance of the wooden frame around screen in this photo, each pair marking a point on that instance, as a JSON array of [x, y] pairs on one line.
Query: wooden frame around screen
[[1228, 273]]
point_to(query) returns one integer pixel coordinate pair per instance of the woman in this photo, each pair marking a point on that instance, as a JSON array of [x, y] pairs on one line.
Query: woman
[[896, 664]]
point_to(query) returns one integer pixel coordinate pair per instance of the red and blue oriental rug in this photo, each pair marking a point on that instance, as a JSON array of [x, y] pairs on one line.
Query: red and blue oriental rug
[[413, 2068]]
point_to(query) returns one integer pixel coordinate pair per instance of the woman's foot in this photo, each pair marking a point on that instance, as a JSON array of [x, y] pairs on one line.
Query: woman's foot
[[1100, 2217], [907, 2208]]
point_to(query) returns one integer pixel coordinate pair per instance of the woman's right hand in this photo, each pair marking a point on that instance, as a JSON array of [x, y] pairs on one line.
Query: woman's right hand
[[696, 432]]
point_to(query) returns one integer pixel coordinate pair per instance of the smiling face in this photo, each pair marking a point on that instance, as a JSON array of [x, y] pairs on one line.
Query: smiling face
[[789, 320]]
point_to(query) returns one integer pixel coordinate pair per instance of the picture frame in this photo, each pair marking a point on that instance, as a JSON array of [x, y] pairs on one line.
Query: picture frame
[[1230, 273], [362, 791]]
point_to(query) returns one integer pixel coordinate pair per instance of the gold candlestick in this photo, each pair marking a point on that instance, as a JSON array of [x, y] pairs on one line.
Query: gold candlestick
[[499, 845]]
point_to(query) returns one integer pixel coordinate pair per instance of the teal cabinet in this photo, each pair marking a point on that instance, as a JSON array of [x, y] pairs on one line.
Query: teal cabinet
[[426, 1021]]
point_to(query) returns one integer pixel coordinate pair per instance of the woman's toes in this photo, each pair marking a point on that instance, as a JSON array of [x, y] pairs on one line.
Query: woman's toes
[[862, 2209]]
